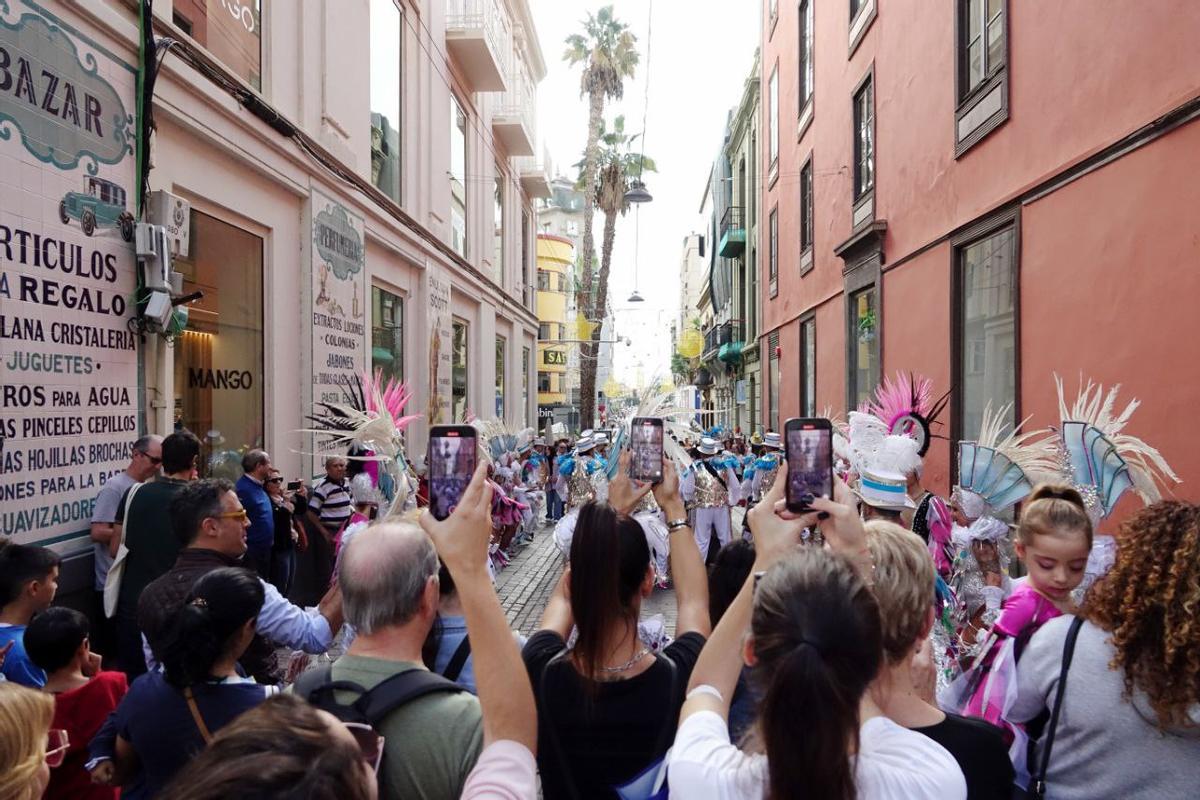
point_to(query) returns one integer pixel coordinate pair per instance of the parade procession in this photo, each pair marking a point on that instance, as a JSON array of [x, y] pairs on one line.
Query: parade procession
[[357, 444]]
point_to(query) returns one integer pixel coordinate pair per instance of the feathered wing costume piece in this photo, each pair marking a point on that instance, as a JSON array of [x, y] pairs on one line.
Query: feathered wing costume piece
[[372, 416], [676, 422], [1000, 469], [1102, 461], [906, 406]]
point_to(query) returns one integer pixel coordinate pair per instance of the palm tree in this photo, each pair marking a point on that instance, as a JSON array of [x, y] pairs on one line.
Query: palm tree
[[606, 49]]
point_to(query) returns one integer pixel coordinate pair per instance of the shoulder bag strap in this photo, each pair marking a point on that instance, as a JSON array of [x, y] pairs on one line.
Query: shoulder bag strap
[[1037, 782], [388, 695], [195, 709], [556, 745], [309, 681], [458, 660]]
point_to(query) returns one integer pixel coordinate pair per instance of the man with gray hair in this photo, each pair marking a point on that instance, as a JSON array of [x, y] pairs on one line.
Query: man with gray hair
[[252, 491], [388, 576]]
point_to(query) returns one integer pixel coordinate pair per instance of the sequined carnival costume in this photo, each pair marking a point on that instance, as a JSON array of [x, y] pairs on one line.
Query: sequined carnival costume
[[710, 487], [582, 478]]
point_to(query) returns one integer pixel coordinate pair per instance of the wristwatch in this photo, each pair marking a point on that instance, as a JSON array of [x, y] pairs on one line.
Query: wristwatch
[[676, 524]]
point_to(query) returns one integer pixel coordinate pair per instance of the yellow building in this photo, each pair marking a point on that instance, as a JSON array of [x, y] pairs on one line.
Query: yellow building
[[555, 259]]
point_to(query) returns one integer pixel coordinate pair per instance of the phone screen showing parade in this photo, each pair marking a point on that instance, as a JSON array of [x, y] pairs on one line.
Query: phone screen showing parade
[[450, 463], [810, 461], [646, 441]]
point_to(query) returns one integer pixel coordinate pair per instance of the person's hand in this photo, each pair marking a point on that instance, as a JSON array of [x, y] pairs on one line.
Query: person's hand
[[104, 772], [923, 672], [774, 535], [624, 493], [838, 518], [302, 491], [462, 538], [666, 492]]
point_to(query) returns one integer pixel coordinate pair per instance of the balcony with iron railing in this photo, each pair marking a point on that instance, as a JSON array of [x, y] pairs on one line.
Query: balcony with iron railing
[[733, 233], [514, 120], [478, 40], [535, 173], [724, 342]]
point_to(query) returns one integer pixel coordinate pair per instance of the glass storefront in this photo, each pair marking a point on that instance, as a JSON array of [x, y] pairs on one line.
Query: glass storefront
[[387, 333], [229, 29], [501, 347], [219, 356], [458, 371]]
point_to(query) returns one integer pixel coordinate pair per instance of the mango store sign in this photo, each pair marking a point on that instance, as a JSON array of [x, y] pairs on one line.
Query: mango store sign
[[68, 363], [337, 298]]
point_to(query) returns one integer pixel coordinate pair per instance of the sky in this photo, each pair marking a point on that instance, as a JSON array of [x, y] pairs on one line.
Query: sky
[[700, 53]]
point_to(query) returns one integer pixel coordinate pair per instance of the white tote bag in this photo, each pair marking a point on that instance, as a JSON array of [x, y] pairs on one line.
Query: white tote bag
[[112, 583]]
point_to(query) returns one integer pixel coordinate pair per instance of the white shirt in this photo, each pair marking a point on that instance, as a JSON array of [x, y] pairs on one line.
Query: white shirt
[[893, 763]]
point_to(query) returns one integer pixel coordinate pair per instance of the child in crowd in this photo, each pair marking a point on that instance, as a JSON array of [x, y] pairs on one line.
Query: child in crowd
[[1053, 541], [28, 582], [57, 642]]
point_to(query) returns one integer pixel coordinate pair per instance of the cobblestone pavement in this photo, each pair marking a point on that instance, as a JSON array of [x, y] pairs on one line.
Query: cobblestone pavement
[[526, 583]]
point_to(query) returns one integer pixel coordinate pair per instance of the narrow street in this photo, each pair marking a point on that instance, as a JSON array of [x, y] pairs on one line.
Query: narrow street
[[526, 584]]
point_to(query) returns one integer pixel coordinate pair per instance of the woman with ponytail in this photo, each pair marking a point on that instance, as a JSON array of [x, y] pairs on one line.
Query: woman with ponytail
[[815, 645], [169, 716], [608, 705]]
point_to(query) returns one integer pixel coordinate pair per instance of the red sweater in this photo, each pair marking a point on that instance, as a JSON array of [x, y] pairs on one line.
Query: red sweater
[[81, 712]]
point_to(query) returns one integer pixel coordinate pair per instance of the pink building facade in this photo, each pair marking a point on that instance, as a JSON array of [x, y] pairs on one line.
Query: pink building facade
[[988, 193]]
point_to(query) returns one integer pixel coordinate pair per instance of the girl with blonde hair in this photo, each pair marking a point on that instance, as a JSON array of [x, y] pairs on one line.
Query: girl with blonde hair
[[25, 717]]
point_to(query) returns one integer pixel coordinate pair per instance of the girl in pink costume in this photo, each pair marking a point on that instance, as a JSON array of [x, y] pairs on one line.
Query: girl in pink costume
[[1053, 541]]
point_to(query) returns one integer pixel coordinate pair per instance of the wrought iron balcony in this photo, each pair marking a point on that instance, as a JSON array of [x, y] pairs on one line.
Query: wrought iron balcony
[[733, 233], [478, 40]]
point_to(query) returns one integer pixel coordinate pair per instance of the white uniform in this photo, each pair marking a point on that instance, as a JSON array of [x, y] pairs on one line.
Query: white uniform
[[701, 488]]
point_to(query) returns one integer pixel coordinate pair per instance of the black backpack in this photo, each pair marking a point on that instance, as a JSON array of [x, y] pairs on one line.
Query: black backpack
[[373, 705]]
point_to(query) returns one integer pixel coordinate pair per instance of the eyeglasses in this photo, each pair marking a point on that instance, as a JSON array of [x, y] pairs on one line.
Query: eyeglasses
[[240, 515], [153, 459], [57, 744], [370, 743], [274, 480]]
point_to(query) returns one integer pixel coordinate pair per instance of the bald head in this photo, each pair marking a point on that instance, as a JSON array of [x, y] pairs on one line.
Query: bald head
[[383, 573]]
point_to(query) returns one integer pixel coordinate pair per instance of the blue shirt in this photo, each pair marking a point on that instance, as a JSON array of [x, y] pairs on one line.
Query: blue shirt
[[261, 533], [154, 717], [454, 630], [17, 666]]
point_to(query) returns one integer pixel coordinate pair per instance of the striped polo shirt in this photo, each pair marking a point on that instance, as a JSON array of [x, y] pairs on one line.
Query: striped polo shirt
[[331, 501]]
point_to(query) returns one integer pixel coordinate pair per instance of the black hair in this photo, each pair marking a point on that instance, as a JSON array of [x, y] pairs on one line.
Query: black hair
[[179, 452], [193, 504], [201, 631], [818, 642], [54, 636], [727, 576], [609, 558], [19, 565]]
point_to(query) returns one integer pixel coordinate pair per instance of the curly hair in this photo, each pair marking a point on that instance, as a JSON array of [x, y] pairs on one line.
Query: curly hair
[[1149, 603]]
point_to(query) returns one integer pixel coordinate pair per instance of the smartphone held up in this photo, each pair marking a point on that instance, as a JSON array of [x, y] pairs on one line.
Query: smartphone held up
[[808, 445], [450, 464], [646, 449]]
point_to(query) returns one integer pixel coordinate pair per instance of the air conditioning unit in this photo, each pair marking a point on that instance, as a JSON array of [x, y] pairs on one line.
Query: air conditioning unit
[[175, 215], [154, 251]]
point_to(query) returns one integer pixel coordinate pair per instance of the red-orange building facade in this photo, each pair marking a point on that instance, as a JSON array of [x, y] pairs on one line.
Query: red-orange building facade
[[986, 192]]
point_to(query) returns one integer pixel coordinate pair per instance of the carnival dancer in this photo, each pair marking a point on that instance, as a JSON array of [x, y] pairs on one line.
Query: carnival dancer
[[710, 486], [765, 467], [582, 477]]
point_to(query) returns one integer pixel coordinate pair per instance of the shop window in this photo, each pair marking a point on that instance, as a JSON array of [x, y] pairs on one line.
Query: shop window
[[387, 22], [501, 349], [387, 333], [863, 337], [229, 29], [864, 139], [498, 229], [524, 385], [987, 324], [808, 367], [458, 177], [458, 371], [219, 356]]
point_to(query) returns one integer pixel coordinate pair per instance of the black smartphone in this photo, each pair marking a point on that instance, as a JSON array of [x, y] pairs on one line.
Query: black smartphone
[[293, 486], [808, 445], [646, 449], [450, 463]]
